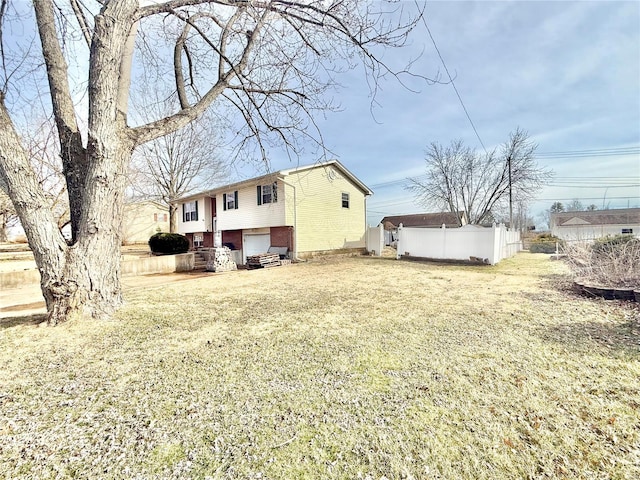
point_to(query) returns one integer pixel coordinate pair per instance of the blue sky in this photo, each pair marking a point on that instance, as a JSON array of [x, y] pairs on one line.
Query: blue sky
[[567, 72]]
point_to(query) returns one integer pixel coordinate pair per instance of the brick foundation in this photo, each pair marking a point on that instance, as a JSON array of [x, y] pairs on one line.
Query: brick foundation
[[233, 236], [282, 237]]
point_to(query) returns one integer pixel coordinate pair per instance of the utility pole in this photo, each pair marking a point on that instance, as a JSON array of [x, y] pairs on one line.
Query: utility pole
[[510, 196]]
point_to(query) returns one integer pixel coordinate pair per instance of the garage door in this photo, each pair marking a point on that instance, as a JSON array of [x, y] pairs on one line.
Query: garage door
[[254, 244]]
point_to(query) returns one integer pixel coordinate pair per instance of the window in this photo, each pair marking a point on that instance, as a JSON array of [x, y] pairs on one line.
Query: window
[[230, 201], [198, 240], [627, 231], [267, 193], [160, 217], [345, 200], [190, 211]]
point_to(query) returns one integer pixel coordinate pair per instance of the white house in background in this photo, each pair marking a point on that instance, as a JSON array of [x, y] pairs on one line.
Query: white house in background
[[592, 224], [307, 210], [420, 220]]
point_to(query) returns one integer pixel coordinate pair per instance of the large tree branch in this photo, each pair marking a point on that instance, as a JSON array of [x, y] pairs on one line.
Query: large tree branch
[[71, 147], [61, 99], [186, 115], [26, 193]]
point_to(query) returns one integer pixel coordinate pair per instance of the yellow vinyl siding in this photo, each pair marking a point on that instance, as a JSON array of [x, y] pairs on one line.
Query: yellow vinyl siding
[[139, 224], [322, 222]]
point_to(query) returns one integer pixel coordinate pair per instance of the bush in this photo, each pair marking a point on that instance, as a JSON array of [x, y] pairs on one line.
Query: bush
[[544, 243], [609, 243], [610, 261], [168, 243]]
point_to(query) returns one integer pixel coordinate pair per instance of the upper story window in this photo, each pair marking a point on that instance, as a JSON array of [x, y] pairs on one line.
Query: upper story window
[[345, 200], [230, 200], [160, 217], [267, 193], [190, 211]]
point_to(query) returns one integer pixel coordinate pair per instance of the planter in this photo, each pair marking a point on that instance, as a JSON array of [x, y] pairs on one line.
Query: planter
[[608, 293], [624, 294]]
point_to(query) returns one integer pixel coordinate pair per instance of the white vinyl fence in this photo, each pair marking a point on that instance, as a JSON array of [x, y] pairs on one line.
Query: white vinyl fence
[[468, 243], [375, 240]]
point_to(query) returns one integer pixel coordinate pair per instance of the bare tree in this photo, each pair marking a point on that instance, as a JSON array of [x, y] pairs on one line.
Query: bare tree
[[464, 181], [270, 60], [177, 164], [574, 205], [40, 143]]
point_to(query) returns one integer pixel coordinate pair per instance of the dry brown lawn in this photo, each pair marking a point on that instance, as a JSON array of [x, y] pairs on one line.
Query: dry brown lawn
[[338, 368]]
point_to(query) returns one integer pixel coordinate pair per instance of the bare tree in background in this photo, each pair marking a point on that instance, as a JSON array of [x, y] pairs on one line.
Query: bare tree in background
[[41, 144], [177, 164], [271, 61], [464, 181], [574, 205]]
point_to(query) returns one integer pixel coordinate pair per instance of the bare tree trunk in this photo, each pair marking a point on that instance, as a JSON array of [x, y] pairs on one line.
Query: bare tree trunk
[[173, 220], [74, 159], [84, 278]]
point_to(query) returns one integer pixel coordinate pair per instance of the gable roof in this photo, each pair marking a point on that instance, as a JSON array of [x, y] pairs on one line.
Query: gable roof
[[281, 174], [450, 220], [621, 216]]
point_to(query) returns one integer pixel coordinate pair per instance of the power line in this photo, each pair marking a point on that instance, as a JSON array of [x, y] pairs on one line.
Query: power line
[[562, 185], [585, 198], [453, 85], [589, 152], [599, 152]]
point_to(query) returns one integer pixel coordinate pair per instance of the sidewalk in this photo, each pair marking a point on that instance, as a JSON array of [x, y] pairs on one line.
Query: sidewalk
[[28, 300]]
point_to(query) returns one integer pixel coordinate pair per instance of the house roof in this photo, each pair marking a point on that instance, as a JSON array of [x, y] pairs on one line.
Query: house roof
[[450, 220], [281, 174], [622, 216]]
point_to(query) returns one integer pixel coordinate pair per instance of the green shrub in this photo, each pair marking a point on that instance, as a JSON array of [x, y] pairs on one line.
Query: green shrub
[[168, 243], [544, 243]]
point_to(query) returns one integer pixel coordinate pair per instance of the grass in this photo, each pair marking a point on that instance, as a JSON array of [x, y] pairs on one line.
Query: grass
[[339, 368]]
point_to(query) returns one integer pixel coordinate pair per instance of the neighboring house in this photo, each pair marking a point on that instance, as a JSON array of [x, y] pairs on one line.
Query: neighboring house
[[142, 219], [307, 210], [592, 224], [420, 220]]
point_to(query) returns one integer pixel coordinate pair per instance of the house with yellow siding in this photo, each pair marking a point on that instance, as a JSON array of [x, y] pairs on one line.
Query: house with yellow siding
[[142, 219], [306, 211]]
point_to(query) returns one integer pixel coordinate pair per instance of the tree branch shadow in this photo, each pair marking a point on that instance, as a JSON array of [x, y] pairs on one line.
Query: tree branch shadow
[[618, 333]]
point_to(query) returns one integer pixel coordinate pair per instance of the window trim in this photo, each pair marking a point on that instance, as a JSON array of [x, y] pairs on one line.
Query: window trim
[[273, 196], [348, 200], [190, 211], [227, 198], [200, 242]]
